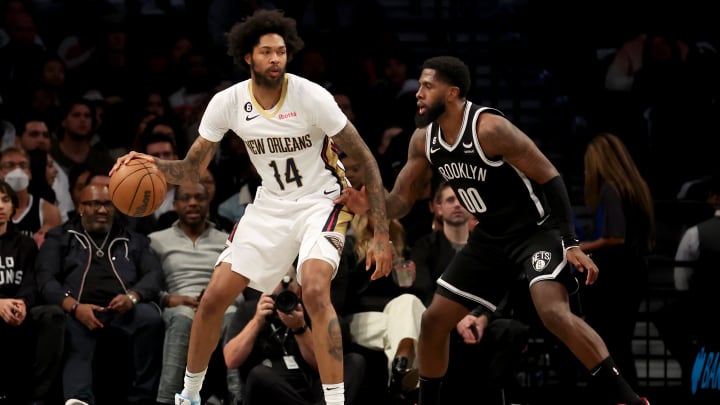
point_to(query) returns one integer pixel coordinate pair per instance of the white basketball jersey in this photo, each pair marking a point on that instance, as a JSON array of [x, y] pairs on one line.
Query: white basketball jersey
[[289, 145]]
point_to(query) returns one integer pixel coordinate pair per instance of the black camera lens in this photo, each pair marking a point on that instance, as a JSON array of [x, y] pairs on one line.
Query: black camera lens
[[286, 301]]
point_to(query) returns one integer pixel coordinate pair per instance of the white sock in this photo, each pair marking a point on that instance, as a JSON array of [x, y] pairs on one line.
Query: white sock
[[334, 393], [193, 383]]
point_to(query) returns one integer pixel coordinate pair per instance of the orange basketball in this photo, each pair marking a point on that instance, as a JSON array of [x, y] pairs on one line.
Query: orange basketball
[[137, 188]]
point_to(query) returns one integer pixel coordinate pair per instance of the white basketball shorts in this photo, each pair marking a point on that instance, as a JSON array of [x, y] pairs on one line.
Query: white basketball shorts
[[273, 232]]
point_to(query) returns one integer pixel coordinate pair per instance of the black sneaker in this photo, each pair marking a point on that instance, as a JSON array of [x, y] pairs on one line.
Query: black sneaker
[[402, 378]]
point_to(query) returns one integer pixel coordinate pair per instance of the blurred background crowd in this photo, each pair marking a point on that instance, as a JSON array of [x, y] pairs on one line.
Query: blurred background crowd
[[86, 81]]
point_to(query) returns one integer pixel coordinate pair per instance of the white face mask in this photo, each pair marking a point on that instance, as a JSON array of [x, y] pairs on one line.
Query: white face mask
[[17, 179]]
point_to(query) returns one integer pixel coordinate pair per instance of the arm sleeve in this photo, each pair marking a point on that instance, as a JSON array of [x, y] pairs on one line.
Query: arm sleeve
[[559, 204]]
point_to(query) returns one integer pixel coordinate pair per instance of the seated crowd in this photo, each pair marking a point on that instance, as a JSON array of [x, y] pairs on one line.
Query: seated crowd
[[96, 307], [99, 308]]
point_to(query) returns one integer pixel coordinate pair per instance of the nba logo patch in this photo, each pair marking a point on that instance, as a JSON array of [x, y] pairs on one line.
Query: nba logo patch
[[336, 242], [540, 260]]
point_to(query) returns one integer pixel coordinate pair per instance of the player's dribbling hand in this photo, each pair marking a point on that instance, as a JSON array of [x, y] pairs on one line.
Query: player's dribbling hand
[[380, 253], [355, 200], [128, 157], [583, 263]]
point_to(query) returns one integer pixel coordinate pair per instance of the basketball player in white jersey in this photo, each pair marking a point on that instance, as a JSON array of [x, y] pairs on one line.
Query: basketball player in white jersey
[[290, 126]]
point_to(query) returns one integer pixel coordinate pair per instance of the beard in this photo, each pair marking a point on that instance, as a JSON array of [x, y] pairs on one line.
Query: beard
[[98, 229], [457, 221], [431, 114], [264, 81]]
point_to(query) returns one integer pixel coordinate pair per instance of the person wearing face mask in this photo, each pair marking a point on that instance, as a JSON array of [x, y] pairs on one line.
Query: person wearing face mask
[[32, 135], [33, 214]]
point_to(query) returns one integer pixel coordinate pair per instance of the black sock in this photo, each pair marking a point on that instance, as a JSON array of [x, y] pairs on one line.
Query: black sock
[[429, 391], [607, 378]]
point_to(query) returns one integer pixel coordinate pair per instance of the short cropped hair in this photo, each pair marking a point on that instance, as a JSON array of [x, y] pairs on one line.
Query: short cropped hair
[[21, 121], [439, 190], [452, 71], [245, 35]]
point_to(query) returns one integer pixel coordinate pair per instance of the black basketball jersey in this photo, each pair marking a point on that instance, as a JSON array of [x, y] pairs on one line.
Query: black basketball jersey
[[30, 221], [501, 197]]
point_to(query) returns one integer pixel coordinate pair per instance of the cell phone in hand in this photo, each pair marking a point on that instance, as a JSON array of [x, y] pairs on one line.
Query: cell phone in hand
[[474, 331]]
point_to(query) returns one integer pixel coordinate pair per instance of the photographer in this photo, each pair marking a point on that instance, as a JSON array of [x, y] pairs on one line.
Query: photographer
[[274, 351]]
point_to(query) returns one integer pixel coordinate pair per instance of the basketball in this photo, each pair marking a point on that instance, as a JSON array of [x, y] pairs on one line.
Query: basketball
[[137, 188]]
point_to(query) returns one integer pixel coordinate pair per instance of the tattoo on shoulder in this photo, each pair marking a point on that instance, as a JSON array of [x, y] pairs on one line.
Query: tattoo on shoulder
[[349, 141], [417, 143]]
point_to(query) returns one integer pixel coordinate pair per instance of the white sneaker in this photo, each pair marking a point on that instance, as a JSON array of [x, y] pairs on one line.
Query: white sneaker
[[181, 400], [73, 401]]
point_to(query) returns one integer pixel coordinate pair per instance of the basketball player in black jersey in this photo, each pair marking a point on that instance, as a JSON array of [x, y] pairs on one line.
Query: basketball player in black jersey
[[525, 225]]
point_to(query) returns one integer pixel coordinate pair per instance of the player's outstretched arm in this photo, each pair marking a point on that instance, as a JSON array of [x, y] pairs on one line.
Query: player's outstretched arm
[[413, 181], [185, 171], [380, 252], [411, 184]]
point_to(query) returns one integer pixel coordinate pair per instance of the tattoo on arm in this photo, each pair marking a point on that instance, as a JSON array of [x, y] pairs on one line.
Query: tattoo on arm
[[335, 348], [188, 170], [350, 142]]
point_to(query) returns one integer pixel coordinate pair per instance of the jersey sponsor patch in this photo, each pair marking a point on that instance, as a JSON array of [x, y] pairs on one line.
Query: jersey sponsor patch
[[336, 242], [540, 260]]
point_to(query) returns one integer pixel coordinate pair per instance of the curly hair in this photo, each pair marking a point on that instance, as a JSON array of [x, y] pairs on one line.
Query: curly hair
[[245, 35]]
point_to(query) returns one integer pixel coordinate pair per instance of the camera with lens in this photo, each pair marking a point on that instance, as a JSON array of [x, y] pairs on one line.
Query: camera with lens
[[286, 300]]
